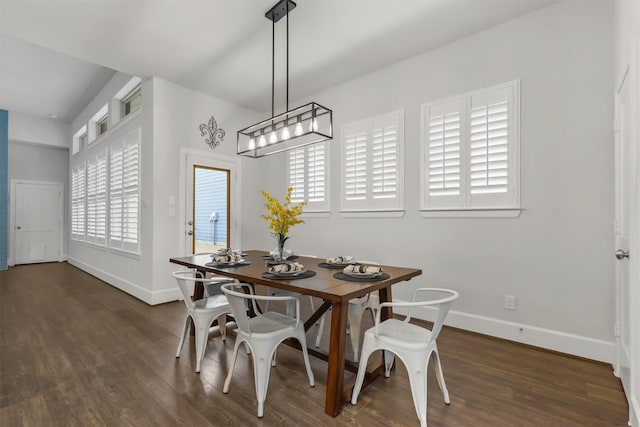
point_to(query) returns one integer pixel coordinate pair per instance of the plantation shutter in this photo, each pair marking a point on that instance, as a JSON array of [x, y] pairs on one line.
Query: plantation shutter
[[124, 193], [101, 199], [384, 162], [92, 175], [372, 174], [443, 148], [355, 165], [115, 195], [297, 174], [307, 174], [78, 182], [316, 166], [490, 148]]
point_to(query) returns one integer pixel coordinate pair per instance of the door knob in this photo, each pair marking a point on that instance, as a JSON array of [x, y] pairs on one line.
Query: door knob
[[620, 254], [190, 222], [18, 227], [190, 233]]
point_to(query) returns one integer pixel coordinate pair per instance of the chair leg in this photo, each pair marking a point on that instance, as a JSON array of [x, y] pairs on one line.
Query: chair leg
[[321, 328], [305, 354], [185, 331], [367, 349], [355, 321], [388, 362], [435, 356], [222, 324], [202, 334], [417, 370], [262, 355], [227, 381]]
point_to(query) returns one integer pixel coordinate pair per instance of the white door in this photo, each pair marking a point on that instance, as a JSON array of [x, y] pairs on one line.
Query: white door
[[37, 221], [211, 203], [626, 224]]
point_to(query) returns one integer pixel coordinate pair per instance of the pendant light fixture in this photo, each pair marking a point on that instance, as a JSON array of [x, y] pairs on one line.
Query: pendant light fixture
[[305, 125]]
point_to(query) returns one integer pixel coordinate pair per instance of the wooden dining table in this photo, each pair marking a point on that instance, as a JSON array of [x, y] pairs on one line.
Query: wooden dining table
[[335, 294]]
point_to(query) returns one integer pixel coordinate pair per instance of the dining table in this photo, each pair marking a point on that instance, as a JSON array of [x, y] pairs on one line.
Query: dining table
[[335, 293]]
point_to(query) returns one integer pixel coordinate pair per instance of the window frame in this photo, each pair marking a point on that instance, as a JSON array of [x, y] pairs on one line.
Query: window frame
[[135, 92], [370, 205], [464, 205]]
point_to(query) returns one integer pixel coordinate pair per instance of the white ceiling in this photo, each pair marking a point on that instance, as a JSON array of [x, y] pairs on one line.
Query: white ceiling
[[57, 54]]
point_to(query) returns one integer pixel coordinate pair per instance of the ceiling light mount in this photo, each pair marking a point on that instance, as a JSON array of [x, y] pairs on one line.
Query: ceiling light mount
[[305, 125]]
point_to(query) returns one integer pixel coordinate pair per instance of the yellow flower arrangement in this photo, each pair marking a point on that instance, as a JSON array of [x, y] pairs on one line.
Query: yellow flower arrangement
[[281, 217]]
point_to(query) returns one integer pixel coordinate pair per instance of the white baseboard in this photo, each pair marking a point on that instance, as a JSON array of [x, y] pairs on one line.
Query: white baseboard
[[150, 297], [563, 342]]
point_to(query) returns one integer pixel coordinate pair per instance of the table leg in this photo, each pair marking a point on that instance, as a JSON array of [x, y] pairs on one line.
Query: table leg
[[335, 370], [384, 295]]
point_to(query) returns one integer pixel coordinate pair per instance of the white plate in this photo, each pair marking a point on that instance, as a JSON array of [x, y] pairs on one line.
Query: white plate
[[290, 273], [342, 264]]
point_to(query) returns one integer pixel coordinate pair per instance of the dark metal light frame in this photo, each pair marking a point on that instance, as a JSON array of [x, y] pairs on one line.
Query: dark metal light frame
[[308, 124]]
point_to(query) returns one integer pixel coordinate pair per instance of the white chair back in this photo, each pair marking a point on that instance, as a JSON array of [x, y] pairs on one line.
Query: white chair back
[[442, 301], [184, 278]]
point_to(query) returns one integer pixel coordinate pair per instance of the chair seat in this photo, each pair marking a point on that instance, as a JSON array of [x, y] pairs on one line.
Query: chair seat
[[270, 322], [401, 334], [211, 303]]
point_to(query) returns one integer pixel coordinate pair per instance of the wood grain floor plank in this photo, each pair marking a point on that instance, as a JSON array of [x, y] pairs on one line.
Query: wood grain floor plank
[[74, 351]]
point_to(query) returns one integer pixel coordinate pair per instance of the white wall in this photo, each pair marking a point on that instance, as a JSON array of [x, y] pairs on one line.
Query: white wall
[[556, 258], [177, 115], [35, 162], [38, 130], [131, 273]]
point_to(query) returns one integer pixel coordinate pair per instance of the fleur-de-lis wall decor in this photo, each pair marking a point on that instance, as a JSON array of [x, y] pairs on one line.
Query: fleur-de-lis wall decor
[[213, 135]]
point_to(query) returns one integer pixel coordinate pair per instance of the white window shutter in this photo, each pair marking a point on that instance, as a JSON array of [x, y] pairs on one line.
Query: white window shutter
[[124, 193], [355, 165], [78, 188], [491, 165], [471, 150], [101, 199], [307, 174], [373, 164], [444, 154], [297, 174], [92, 174], [316, 171]]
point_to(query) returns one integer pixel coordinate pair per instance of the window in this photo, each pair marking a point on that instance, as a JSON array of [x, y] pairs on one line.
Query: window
[[102, 125], [124, 193], [132, 101], [78, 178], [79, 140], [470, 149], [97, 199], [373, 164], [307, 174]]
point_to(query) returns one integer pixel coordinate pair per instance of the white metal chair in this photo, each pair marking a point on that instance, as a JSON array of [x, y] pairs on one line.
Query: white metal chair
[[203, 312], [357, 308], [290, 305], [414, 345], [263, 334]]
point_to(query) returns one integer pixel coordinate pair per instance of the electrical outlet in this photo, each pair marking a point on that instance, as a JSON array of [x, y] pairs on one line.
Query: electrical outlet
[[509, 302]]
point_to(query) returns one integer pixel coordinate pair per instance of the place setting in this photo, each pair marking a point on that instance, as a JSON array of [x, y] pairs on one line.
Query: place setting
[[361, 273], [228, 258], [337, 263], [288, 271]]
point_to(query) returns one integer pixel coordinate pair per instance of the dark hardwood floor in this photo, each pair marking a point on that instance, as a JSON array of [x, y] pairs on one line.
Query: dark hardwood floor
[[75, 351]]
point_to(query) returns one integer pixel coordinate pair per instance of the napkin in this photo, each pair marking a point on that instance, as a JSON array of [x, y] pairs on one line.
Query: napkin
[[227, 258], [362, 269], [223, 251], [287, 267], [339, 260]]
